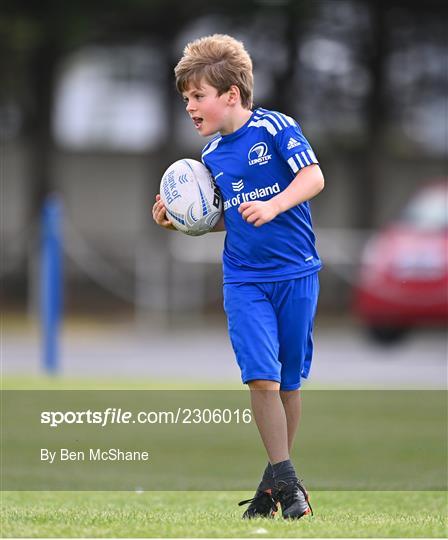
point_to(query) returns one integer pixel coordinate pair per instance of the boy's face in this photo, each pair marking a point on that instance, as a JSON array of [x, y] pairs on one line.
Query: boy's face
[[207, 110]]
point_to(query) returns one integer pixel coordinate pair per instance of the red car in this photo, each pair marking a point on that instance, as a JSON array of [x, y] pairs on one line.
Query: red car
[[403, 280]]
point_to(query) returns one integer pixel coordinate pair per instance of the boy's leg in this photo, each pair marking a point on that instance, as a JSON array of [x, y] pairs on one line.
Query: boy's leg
[[292, 404], [269, 413], [270, 418], [295, 304], [290, 491], [253, 329], [252, 324]]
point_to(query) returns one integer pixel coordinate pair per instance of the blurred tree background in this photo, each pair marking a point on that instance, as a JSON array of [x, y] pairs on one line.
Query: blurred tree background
[[88, 109]]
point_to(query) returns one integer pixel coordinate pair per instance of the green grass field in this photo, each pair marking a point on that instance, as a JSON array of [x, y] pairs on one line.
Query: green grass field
[[215, 514], [209, 513]]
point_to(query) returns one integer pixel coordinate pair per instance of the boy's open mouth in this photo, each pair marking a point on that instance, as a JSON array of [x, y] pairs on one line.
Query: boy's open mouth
[[197, 121]]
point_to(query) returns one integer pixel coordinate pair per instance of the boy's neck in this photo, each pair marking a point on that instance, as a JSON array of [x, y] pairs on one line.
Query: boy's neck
[[236, 121]]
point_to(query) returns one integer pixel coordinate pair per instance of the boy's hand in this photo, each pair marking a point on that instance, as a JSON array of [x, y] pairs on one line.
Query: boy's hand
[[159, 214], [258, 212]]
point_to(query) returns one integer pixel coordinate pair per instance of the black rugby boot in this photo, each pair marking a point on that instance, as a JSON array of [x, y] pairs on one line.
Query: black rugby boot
[[293, 499], [263, 504]]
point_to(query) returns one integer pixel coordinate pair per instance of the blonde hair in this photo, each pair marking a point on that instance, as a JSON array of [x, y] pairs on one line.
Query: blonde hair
[[221, 61]]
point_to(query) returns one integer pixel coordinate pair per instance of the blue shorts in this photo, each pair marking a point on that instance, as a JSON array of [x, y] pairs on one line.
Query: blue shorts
[[270, 327]]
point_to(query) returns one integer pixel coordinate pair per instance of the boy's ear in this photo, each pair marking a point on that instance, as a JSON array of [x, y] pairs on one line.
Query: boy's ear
[[234, 95]]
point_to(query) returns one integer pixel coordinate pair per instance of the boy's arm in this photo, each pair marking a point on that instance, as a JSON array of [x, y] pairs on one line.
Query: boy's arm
[[306, 185]]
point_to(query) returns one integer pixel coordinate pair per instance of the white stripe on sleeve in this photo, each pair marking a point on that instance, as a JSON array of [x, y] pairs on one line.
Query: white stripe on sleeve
[[305, 157], [293, 165], [312, 156], [299, 160]]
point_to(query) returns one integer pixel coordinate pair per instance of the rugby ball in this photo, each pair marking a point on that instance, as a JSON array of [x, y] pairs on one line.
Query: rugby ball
[[192, 200]]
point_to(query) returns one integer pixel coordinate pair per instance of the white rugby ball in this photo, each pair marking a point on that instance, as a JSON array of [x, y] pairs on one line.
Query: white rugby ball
[[192, 201]]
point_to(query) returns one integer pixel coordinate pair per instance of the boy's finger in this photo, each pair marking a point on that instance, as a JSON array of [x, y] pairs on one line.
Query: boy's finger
[[252, 218], [248, 212], [243, 207]]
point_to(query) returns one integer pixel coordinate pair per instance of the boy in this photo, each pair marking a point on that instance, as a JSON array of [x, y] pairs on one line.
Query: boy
[[266, 172]]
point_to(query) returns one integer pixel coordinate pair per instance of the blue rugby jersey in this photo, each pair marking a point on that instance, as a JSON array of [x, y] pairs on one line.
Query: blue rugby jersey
[[256, 162]]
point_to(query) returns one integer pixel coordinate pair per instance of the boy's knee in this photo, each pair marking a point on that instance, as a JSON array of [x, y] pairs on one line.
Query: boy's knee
[[263, 385]]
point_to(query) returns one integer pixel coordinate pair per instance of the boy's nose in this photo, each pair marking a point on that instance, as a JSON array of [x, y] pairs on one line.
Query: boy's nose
[[190, 107]]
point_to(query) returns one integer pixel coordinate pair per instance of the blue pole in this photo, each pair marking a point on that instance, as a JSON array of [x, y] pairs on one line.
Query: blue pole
[[51, 281]]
